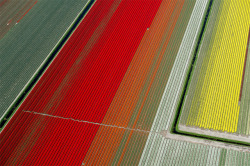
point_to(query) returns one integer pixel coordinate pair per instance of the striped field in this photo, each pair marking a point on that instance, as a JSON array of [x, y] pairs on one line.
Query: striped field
[[111, 93], [214, 99]]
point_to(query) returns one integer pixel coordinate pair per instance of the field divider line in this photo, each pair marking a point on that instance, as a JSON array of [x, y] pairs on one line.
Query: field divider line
[[94, 123]]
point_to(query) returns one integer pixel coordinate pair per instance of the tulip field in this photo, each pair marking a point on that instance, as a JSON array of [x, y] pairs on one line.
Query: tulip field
[[126, 82], [220, 78]]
